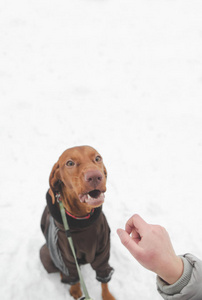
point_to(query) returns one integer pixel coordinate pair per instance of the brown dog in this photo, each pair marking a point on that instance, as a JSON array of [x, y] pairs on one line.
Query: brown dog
[[79, 177]]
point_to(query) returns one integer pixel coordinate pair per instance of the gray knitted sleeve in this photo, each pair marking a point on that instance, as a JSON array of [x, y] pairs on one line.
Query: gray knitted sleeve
[[175, 288]]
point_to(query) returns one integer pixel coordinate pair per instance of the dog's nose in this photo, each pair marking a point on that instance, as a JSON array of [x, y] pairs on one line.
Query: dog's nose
[[94, 178]]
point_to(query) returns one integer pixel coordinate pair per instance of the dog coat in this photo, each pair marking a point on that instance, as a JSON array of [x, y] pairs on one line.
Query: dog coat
[[91, 238]]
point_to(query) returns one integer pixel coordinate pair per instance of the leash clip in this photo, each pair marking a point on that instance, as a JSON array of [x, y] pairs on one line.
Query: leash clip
[[58, 197]]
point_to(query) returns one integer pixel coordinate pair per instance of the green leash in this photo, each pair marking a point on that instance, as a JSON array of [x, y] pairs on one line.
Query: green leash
[[67, 232]]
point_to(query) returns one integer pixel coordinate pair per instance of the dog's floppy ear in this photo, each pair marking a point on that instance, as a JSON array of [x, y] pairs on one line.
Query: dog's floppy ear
[[54, 181]]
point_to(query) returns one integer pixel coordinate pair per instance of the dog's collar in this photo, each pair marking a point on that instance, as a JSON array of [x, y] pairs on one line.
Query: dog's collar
[[80, 218], [58, 197]]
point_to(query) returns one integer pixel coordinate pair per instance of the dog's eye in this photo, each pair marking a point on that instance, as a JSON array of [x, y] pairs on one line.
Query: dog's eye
[[70, 163], [98, 158]]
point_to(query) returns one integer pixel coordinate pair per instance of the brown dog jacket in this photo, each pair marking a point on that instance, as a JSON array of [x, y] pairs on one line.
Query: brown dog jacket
[[91, 238]]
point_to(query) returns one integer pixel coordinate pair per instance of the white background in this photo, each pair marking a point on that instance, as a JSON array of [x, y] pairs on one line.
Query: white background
[[124, 77]]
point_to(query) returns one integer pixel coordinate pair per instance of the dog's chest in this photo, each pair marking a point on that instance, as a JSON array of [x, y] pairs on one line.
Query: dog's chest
[[88, 241]]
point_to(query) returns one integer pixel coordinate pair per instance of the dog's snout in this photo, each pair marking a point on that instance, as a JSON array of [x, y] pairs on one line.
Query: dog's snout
[[94, 178]]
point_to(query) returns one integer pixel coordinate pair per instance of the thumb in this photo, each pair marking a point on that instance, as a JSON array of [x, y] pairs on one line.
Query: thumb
[[123, 236], [127, 241]]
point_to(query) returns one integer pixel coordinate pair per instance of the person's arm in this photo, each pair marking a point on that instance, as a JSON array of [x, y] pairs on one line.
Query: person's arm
[[188, 285], [166, 289], [178, 277]]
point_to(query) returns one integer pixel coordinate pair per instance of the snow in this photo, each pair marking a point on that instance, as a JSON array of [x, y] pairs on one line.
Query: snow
[[124, 77]]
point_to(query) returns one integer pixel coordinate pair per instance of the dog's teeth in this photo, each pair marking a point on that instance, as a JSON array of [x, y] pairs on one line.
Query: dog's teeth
[[88, 198]]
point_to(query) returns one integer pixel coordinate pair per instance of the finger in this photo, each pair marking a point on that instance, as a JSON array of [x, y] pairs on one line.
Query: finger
[[136, 223], [128, 242], [135, 235]]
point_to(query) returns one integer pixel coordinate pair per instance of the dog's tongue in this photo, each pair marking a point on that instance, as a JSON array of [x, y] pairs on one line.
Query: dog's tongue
[[86, 198]]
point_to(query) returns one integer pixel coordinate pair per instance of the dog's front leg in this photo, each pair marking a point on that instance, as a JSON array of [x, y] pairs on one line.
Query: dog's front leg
[[75, 291], [106, 295]]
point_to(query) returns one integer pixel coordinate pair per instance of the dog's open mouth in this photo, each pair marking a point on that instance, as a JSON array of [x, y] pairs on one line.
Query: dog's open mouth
[[93, 198], [94, 194]]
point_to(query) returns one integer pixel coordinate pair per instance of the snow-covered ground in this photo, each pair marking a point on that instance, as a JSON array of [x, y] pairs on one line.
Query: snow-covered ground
[[125, 77]]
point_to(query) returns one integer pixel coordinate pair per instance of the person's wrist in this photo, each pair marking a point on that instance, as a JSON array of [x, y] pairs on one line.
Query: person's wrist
[[173, 271]]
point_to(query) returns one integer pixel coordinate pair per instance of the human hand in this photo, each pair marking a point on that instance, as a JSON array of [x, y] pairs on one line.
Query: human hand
[[151, 247]]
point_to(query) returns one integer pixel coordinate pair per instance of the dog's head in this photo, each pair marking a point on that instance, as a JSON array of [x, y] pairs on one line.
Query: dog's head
[[80, 174]]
